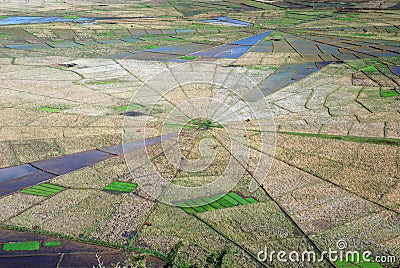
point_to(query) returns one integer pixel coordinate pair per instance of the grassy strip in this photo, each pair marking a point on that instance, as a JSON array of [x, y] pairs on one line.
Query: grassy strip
[[251, 200], [230, 200], [36, 192], [126, 108], [207, 207], [225, 203], [52, 186], [21, 246], [210, 203], [151, 47], [238, 198], [121, 187], [49, 109], [373, 140], [188, 57], [388, 94], [52, 244], [370, 69], [44, 189]]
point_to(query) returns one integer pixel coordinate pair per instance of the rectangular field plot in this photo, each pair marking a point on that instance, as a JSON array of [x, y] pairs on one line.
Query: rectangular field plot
[[44, 189], [21, 246], [118, 186], [215, 202]]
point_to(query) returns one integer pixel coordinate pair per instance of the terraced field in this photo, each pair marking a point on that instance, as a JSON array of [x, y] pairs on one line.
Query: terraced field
[[199, 134]]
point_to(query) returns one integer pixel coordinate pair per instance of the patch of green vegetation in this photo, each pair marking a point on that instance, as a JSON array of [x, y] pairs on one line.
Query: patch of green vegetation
[[373, 140], [347, 18], [370, 69], [214, 202], [44, 189], [119, 186], [216, 259], [364, 34], [188, 57], [127, 108], [204, 26], [165, 16], [273, 21], [264, 68], [21, 246], [52, 243], [204, 123], [71, 17], [392, 28], [357, 260], [106, 34], [4, 35], [3, 17], [137, 261], [173, 38], [151, 46], [52, 109], [274, 36], [139, 7], [389, 93], [58, 41]]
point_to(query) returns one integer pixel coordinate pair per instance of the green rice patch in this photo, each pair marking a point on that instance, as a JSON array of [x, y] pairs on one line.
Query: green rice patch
[[35, 192], [251, 200], [238, 198], [364, 34], [4, 35], [215, 202], [370, 69], [3, 17], [52, 243], [106, 34], [347, 18], [127, 108], [139, 7], [44, 189], [119, 186], [357, 260], [21, 246], [263, 68], [174, 38], [389, 94], [187, 57], [51, 109], [72, 17]]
